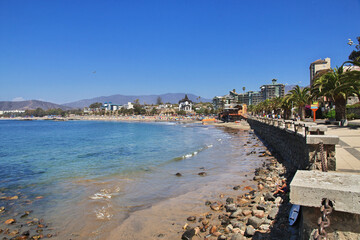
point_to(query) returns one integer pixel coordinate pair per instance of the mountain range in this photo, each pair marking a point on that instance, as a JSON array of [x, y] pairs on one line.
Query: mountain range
[[115, 99], [30, 104], [148, 99]]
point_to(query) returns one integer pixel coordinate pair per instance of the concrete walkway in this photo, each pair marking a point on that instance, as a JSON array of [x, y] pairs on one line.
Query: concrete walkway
[[348, 149]]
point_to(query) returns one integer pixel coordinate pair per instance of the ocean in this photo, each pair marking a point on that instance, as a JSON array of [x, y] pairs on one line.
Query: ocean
[[83, 179]]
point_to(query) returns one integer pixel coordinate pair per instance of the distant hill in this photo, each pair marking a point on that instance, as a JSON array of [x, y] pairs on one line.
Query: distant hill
[[30, 104], [123, 99], [290, 87]]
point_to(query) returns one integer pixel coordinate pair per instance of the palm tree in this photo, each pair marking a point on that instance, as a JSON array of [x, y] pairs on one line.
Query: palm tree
[[243, 89], [338, 85], [286, 106], [300, 97]]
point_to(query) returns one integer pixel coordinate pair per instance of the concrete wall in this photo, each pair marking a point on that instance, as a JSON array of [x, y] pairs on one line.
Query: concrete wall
[[297, 143]]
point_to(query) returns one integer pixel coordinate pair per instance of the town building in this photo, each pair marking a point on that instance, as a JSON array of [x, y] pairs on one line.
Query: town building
[[318, 67], [129, 105], [185, 104], [267, 91], [273, 90], [108, 106]]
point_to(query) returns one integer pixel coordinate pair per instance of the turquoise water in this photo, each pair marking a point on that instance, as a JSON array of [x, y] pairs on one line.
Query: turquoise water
[[38, 154], [86, 175]]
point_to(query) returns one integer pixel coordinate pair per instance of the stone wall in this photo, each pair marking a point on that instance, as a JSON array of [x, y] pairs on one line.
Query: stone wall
[[297, 143]]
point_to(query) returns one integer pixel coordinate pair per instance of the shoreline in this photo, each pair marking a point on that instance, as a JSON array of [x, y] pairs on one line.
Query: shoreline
[[168, 224]]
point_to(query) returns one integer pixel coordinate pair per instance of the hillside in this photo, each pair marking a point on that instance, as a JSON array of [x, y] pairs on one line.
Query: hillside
[[30, 104], [123, 99]]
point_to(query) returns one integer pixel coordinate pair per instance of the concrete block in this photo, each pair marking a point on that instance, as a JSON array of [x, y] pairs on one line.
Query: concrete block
[[326, 139], [308, 188], [315, 128]]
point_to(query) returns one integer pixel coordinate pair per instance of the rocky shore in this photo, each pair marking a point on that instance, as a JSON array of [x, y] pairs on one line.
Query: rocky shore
[[259, 213], [21, 225]]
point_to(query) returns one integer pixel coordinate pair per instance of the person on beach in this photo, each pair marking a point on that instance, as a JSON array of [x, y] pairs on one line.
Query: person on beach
[[282, 189]]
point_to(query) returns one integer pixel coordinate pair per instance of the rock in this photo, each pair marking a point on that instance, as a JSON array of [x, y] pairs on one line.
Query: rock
[[222, 237], [237, 236], [191, 219], [14, 232], [213, 229], [208, 216], [216, 206], [188, 234], [268, 221], [26, 233], [250, 231], [207, 203], [237, 213], [217, 234], [229, 228], [236, 187], [261, 207], [202, 174], [246, 212], [49, 235], [243, 202], [255, 221], [260, 186], [10, 221], [205, 222], [259, 213], [269, 197], [236, 230], [264, 227], [248, 188], [12, 198], [178, 174], [238, 224], [229, 200], [231, 207], [2, 209], [256, 178], [278, 200], [273, 212]]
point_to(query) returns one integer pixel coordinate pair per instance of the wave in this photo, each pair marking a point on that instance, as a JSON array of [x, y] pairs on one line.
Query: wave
[[105, 193], [191, 154], [103, 213]]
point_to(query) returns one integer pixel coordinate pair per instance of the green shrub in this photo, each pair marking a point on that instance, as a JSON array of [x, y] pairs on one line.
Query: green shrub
[[351, 116], [331, 114]]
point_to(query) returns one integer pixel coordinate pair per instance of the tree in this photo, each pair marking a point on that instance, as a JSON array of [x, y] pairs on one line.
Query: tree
[[96, 105], [159, 101], [243, 89], [338, 85], [286, 106], [355, 54], [300, 97]]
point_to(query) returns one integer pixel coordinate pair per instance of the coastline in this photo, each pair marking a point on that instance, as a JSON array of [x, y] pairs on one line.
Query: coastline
[[237, 210], [165, 219]]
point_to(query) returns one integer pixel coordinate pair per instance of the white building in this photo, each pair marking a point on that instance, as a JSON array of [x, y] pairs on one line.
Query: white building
[[129, 105], [317, 66], [185, 104]]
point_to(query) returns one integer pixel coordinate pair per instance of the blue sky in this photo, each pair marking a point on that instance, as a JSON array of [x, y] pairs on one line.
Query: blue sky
[[50, 50]]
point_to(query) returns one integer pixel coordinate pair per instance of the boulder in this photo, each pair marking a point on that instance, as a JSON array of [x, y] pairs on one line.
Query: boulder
[[269, 197], [250, 231], [273, 212], [255, 221], [237, 236]]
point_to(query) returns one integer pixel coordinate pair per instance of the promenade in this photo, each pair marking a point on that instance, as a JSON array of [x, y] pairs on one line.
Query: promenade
[[348, 148]]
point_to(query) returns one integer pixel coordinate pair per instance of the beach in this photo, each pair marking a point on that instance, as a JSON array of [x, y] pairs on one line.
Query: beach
[[154, 203]]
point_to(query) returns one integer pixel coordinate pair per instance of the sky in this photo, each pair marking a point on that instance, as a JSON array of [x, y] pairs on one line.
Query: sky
[[64, 51]]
